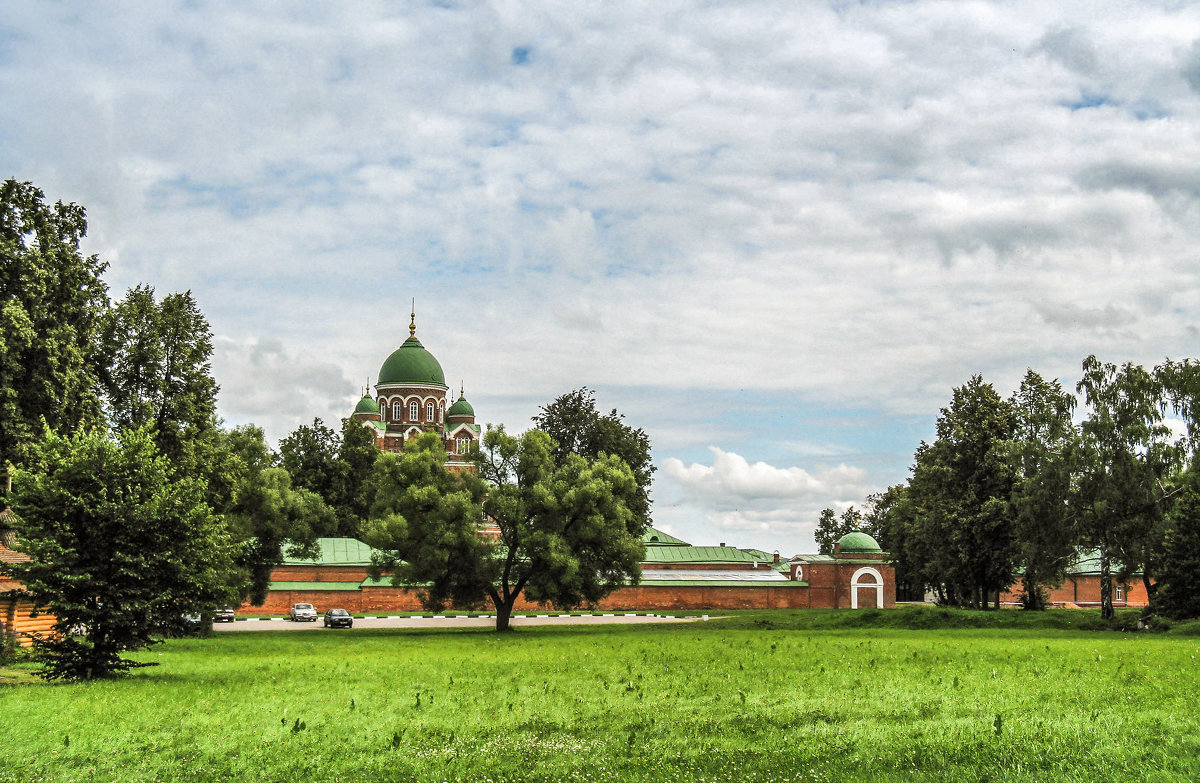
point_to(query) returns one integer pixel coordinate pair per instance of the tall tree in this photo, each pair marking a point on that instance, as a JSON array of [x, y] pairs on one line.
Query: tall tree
[[960, 488], [1125, 455], [577, 427], [158, 372], [51, 301], [310, 456], [267, 516], [831, 527], [890, 520], [356, 457], [121, 548], [567, 533], [1178, 593], [1043, 447]]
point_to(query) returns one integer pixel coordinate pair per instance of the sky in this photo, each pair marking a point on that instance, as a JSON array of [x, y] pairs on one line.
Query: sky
[[774, 235]]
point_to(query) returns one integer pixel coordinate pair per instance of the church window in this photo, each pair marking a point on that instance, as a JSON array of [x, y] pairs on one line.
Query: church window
[[414, 411], [429, 411], [396, 411], [462, 444]]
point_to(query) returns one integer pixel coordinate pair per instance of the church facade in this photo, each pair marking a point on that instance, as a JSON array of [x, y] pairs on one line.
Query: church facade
[[411, 397]]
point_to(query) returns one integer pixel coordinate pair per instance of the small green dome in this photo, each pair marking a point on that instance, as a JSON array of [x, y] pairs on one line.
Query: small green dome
[[366, 405], [858, 542], [460, 408], [411, 363]]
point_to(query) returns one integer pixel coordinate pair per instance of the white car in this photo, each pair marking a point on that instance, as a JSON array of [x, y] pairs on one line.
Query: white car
[[303, 613]]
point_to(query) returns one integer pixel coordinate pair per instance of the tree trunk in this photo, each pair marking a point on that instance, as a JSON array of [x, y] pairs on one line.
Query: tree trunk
[[503, 613], [1106, 604]]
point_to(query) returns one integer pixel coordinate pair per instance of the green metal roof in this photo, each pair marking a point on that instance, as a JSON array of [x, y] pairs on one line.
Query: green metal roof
[[337, 551], [342, 587], [858, 542], [697, 554], [787, 583], [460, 408], [655, 537], [367, 405], [411, 363]]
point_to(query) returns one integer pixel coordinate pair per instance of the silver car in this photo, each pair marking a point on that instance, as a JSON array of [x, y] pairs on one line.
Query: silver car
[[303, 613]]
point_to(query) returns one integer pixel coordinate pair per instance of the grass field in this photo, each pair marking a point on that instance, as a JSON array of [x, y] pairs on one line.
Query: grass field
[[764, 696]]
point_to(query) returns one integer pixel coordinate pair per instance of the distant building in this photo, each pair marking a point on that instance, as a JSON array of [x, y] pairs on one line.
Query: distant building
[[675, 575], [17, 616], [411, 398]]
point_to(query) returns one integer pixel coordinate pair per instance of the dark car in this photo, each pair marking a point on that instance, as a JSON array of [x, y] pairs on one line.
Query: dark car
[[338, 618], [223, 615]]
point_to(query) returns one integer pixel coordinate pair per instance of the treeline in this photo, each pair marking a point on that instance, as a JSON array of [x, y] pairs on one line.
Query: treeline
[[1012, 490]]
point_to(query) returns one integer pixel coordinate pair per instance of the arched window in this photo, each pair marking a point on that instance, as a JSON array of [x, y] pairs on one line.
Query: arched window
[[441, 408], [396, 410], [429, 411], [414, 411]]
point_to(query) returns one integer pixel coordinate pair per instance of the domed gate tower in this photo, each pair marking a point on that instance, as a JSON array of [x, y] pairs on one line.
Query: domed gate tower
[[410, 398]]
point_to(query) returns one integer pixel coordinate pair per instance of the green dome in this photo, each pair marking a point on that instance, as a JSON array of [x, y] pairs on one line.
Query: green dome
[[858, 543], [460, 408], [411, 363], [366, 405]]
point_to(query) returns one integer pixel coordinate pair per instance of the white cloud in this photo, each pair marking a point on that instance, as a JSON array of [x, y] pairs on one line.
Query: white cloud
[[848, 206]]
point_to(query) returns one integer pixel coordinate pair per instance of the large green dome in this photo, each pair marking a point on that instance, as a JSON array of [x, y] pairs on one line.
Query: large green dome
[[411, 363], [858, 542]]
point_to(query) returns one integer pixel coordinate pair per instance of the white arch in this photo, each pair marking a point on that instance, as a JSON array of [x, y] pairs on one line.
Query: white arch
[[857, 581]]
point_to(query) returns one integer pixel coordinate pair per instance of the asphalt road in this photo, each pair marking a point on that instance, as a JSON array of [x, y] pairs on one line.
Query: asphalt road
[[441, 621]]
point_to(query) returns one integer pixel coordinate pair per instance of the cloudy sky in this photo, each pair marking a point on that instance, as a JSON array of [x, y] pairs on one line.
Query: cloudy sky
[[773, 234]]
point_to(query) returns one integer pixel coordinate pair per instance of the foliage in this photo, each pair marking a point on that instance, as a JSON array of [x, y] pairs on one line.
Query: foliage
[[425, 520], [309, 454], [51, 301], [121, 549], [267, 514], [1042, 449], [335, 468], [566, 533], [1124, 457], [577, 427], [678, 703], [157, 373], [1178, 593], [830, 528], [960, 491]]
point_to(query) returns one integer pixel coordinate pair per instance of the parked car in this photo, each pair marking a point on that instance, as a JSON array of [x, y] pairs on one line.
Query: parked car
[[303, 613], [338, 618], [223, 615]]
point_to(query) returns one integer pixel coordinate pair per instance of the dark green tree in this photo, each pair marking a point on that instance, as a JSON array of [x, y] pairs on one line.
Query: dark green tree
[[356, 457], [121, 548], [961, 489], [51, 302], [310, 456], [567, 534], [831, 527], [1178, 593], [891, 521], [158, 373], [1043, 449], [577, 427], [1124, 457]]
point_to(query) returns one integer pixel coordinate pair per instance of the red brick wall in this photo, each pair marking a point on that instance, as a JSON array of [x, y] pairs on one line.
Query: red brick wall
[[1085, 591]]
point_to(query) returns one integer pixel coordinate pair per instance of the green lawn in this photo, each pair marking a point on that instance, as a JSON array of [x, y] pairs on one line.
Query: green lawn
[[763, 696]]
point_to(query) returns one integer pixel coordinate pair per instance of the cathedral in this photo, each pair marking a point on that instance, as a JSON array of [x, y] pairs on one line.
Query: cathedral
[[410, 398]]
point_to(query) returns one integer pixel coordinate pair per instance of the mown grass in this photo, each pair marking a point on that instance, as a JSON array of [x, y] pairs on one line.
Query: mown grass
[[761, 696]]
